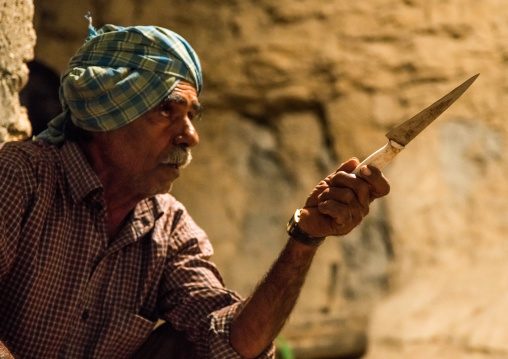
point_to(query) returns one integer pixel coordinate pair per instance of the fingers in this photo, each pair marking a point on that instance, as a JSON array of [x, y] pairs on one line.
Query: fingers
[[336, 196], [341, 201], [358, 187], [379, 185], [344, 206], [349, 165], [344, 215]]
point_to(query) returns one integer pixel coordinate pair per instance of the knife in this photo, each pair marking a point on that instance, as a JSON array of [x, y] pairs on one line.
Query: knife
[[400, 136]]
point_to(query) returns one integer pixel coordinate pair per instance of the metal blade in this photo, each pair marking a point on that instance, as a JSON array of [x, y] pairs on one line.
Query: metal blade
[[407, 131]]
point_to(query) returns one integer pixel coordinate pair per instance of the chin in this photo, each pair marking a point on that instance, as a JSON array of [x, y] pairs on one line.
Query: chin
[[165, 188], [162, 183]]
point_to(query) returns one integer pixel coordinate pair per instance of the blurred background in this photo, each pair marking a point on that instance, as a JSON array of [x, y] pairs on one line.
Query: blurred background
[[292, 89]]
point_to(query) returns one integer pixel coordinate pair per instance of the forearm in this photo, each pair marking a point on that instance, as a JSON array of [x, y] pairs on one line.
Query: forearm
[[4, 352], [264, 313], [335, 206]]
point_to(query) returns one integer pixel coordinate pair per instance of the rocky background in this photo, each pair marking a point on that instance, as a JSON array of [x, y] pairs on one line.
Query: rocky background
[[17, 39], [292, 89]]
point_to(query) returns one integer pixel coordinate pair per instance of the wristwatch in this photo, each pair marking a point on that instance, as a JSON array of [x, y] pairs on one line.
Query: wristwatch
[[296, 233]]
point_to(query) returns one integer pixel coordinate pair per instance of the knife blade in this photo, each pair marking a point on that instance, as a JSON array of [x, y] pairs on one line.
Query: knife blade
[[400, 136]]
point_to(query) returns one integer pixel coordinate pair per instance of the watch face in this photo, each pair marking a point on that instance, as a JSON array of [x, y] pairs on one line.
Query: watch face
[[291, 224], [292, 227]]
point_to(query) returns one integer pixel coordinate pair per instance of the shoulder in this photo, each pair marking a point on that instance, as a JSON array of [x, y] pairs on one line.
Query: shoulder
[[26, 163], [172, 211], [179, 224], [22, 154]]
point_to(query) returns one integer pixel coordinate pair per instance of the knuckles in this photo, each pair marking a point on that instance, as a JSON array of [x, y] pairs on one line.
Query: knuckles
[[340, 202]]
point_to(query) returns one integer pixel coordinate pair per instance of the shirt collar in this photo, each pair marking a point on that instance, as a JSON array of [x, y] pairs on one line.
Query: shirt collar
[[82, 179], [141, 222], [148, 211]]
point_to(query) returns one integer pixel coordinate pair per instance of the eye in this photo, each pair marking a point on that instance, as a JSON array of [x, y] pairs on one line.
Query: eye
[[175, 107], [166, 109], [195, 113]]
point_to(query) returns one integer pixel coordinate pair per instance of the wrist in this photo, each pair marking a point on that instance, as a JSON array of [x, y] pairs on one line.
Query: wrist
[[299, 235]]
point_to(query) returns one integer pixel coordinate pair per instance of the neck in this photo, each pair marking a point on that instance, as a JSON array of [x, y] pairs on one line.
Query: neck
[[120, 195], [118, 208]]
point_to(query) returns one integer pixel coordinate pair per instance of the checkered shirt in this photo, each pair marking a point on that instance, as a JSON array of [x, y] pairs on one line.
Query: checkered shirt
[[67, 291]]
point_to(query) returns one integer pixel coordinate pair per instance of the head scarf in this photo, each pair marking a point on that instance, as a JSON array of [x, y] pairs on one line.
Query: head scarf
[[119, 74]]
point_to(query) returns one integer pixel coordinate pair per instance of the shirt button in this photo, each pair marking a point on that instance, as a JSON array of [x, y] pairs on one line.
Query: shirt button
[[85, 315]]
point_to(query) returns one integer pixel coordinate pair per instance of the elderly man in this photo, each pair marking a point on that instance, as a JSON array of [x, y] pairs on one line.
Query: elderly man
[[94, 251]]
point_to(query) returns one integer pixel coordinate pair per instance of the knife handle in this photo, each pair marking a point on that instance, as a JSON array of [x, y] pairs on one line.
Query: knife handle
[[381, 157]]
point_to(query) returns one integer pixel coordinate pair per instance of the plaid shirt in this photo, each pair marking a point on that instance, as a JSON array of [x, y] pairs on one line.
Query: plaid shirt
[[67, 291]]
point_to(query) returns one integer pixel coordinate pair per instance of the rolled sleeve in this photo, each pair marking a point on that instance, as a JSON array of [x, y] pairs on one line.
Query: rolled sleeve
[[220, 329], [193, 297]]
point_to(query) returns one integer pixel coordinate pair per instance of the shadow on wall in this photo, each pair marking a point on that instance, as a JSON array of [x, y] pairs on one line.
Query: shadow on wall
[[40, 96]]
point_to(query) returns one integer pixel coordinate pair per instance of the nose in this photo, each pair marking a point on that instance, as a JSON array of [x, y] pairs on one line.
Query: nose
[[189, 136]]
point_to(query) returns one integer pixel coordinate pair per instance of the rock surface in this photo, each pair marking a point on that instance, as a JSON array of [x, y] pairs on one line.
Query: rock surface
[[292, 88], [17, 39]]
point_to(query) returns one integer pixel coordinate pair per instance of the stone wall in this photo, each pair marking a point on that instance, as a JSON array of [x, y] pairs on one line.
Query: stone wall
[[292, 88], [17, 38]]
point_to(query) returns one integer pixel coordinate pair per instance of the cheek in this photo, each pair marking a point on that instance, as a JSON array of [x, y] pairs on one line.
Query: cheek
[[161, 142], [138, 157], [153, 142]]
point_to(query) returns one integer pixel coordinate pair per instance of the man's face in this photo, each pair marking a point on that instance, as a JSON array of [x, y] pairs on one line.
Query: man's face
[[150, 151]]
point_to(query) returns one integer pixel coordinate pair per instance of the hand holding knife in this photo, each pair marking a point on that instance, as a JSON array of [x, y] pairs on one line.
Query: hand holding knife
[[340, 202]]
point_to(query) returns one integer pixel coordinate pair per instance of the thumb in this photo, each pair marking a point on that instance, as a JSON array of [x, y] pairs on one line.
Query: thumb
[[349, 165]]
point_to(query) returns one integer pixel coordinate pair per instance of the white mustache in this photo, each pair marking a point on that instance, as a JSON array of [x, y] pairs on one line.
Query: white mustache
[[180, 157]]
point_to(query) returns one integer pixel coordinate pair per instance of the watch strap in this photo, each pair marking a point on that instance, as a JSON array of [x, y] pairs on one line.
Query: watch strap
[[297, 234]]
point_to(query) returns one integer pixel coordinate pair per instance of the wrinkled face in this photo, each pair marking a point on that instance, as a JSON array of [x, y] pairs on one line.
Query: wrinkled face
[[150, 151]]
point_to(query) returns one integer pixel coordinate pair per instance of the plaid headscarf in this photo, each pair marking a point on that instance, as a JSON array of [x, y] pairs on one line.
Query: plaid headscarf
[[119, 74]]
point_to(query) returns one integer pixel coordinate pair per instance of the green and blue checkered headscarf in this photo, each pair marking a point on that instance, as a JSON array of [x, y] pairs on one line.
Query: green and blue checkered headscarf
[[119, 74]]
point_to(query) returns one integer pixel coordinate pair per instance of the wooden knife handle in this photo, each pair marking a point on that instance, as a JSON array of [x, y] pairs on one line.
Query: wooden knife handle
[[381, 157]]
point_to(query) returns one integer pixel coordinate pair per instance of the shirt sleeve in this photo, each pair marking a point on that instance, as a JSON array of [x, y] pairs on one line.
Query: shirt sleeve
[[219, 333], [193, 297], [12, 208]]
